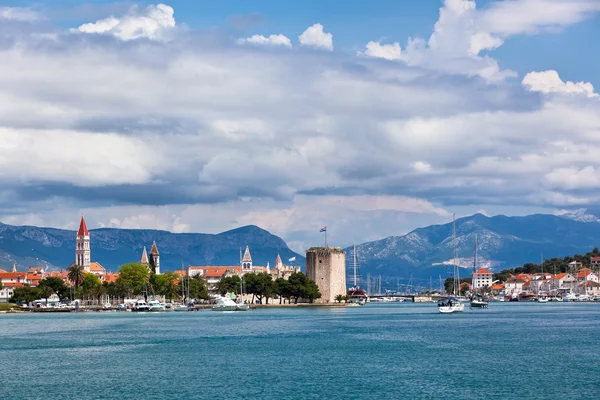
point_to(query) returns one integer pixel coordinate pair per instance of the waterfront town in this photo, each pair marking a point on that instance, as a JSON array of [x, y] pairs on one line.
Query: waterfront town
[[325, 266], [210, 277]]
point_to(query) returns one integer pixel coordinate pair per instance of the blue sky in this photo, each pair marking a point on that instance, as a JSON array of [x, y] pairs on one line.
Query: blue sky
[[373, 118]]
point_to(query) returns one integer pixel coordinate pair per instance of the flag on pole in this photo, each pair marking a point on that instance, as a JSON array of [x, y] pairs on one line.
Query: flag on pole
[[292, 259], [323, 229]]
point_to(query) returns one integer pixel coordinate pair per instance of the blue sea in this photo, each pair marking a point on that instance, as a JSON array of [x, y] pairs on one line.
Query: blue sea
[[379, 351]]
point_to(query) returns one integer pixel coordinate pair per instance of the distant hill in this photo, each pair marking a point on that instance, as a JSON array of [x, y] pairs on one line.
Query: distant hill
[[33, 246], [503, 242]]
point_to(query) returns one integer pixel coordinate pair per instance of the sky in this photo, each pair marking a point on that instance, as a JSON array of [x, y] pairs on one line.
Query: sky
[[371, 118]]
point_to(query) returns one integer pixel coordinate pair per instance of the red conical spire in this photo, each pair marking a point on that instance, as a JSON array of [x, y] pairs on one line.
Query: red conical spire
[[83, 231]]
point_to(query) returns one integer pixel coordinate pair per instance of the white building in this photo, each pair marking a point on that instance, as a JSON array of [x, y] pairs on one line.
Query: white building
[[482, 278], [513, 286]]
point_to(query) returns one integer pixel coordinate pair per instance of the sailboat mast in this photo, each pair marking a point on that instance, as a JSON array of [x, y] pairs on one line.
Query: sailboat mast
[[456, 279], [354, 264]]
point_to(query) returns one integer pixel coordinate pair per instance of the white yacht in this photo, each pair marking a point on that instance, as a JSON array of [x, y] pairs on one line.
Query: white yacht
[[181, 307], [226, 304], [154, 305], [450, 305], [140, 306]]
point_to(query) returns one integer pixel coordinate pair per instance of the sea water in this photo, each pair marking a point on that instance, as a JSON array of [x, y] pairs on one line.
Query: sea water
[[379, 351]]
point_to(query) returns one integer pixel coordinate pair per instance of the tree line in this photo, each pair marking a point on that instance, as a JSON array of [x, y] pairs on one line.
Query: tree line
[[262, 287]]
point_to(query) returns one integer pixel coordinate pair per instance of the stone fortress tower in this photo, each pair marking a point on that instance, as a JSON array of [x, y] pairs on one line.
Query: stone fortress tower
[[82, 249], [327, 267]]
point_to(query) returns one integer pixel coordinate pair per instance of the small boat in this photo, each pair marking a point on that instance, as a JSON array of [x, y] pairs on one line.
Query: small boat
[[181, 307], [140, 306], [449, 305], [479, 303], [357, 295], [543, 300], [154, 305], [555, 299], [226, 304]]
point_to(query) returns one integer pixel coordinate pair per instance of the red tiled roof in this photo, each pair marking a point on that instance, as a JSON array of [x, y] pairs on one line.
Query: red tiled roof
[[94, 266], [154, 250], [484, 271], [560, 276], [583, 272], [83, 230], [180, 272], [13, 275], [12, 284], [110, 277], [216, 272], [498, 286]]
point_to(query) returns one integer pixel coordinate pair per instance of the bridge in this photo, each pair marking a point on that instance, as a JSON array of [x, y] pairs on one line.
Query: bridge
[[414, 298]]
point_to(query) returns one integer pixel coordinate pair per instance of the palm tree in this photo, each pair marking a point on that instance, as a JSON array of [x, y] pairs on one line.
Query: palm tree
[[76, 275]]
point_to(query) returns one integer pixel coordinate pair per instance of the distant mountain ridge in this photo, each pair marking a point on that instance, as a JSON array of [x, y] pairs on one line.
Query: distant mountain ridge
[[503, 242], [34, 246]]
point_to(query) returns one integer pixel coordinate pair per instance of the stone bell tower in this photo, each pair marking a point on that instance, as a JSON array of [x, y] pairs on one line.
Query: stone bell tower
[[82, 246]]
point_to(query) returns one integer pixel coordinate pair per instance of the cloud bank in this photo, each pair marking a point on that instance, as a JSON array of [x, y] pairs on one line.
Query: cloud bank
[[205, 132]]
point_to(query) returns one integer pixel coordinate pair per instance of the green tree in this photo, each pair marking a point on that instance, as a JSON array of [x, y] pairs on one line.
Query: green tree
[[56, 285], [165, 284], [260, 285], [25, 294], [229, 284], [134, 276], [339, 298], [197, 287], [76, 274], [301, 287], [45, 292], [283, 289]]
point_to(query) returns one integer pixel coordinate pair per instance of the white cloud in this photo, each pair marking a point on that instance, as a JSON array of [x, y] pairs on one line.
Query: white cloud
[[549, 82], [314, 36], [19, 14], [79, 158], [149, 23], [274, 40], [574, 178], [516, 17], [463, 32], [386, 51]]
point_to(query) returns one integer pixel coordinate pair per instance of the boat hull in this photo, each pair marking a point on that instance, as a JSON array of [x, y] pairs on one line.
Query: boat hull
[[479, 304], [451, 309]]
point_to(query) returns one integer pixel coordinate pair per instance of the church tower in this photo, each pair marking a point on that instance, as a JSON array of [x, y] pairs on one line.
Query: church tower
[[82, 249], [278, 263], [155, 258], [247, 261]]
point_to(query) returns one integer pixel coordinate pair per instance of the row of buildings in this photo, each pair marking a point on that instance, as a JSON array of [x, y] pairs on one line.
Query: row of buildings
[[579, 281]]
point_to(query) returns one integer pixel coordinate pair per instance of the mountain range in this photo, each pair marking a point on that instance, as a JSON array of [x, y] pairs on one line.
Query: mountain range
[[34, 246], [424, 253], [502, 242]]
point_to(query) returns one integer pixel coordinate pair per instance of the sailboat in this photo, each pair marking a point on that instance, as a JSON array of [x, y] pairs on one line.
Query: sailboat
[[477, 302], [542, 299], [186, 294], [452, 304], [357, 295]]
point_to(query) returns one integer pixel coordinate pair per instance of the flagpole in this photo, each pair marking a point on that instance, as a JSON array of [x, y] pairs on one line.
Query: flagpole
[[325, 237]]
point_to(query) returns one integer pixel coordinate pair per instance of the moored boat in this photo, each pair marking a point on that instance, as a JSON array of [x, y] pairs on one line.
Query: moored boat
[[226, 304], [140, 306], [449, 305], [154, 305]]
